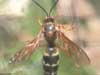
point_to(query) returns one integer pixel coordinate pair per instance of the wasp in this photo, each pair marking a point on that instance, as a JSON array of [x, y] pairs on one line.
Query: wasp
[[51, 32]]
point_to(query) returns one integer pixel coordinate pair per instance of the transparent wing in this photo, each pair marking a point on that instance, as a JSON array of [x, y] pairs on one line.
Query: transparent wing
[[72, 50], [28, 49]]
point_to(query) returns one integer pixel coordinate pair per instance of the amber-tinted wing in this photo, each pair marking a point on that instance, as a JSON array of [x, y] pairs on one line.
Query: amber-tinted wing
[[73, 51], [28, 49]]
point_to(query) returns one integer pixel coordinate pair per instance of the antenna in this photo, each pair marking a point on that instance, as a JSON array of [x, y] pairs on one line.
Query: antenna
[[40, 7], [44, 9], [53, 7]]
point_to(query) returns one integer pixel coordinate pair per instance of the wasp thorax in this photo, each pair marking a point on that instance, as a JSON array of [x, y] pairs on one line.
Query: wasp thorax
[[49, 27], [49, 32]]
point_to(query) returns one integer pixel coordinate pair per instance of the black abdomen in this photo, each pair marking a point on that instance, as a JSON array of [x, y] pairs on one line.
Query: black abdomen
[[50, 63]]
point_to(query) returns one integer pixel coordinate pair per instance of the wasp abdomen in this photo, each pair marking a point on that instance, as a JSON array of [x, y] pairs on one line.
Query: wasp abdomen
[[50, 63]]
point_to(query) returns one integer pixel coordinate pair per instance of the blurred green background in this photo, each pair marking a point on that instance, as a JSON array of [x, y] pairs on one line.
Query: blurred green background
[[28, 24]]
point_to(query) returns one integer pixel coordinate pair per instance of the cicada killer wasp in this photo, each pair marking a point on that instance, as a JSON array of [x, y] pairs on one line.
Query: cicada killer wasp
[[51, 32]]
